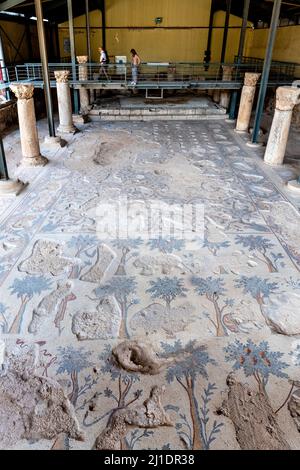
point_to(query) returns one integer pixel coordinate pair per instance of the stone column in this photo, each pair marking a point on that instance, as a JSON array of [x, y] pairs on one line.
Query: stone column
[[27, 124], [66, 125], [287, 97], [83, 92], [225, 94], [246, 104], [216, 96]]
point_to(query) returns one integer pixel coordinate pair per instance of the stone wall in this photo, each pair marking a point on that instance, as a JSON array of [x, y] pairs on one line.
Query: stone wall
[[8, 115]]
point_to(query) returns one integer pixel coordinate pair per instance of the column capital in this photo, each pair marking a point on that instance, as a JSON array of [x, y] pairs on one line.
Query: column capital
[[82, 59], [62, 76], [287, 97], [251, 79], [23, 92]]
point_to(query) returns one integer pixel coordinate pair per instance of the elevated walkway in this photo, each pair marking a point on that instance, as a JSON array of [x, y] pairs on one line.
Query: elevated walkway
[[137, 108]]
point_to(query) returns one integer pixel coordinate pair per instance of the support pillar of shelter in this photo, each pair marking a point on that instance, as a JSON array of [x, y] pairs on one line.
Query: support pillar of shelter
[[27, 123], [83, 92], [287, 98], [225, 94], [66, 125], [246, 104]]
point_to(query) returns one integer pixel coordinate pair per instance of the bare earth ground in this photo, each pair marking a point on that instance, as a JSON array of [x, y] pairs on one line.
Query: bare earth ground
[[215, 362]]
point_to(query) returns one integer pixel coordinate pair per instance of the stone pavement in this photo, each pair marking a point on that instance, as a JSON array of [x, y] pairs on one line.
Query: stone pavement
[[212, 359]]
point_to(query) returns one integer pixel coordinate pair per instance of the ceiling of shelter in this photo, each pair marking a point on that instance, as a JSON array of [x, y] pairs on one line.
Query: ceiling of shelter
[[53, 10], [261, 9], [56, 10]]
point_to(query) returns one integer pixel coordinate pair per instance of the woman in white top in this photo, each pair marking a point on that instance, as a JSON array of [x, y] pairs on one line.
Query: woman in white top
[[135, 62], [103, 62]]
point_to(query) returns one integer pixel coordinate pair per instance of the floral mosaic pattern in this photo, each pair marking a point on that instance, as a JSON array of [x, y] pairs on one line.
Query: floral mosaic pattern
[[208, 309]]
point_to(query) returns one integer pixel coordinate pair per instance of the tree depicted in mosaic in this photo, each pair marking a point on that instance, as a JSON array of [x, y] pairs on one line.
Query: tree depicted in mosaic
[[166, 245], [123, 288], [257, 361], [72, 361], [126, 247], [121, 393], [215, 247], [213, 289], [25, 289], [260, 247], [195, 359], [83, 244], [167, 289], [259, 289]]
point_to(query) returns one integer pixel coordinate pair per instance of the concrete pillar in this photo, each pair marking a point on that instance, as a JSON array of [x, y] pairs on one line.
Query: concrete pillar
[[83, 92], [27, 124], [225, 94], [66, 125], [287, 97], [246, 104]]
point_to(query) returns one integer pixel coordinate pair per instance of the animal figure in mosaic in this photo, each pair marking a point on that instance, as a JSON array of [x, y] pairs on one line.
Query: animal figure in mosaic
[[105, 256], [46, 258], [53, 304]]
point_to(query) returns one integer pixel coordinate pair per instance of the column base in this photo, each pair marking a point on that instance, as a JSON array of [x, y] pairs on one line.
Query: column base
[[11, 188], [294, 186], [66, 129], [53, 141], [254, 145], [240, 132], [80, 118], [34, 161]]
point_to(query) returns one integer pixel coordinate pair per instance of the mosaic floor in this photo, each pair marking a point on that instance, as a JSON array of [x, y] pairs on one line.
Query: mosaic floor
[[218, 321]]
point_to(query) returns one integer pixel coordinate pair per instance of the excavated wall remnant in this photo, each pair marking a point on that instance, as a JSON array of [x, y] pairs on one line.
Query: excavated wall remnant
[[31, 406], [254, 420], [150, 415], [294, 407], [135, 356]]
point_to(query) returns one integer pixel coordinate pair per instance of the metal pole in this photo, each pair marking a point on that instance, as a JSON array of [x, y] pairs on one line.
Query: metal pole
[[3, 66], [44, 59], [88, 37], [226, 26], [3, 165], [233, 102], [73, 56], [207, 56], [266, 69], [103, 25]]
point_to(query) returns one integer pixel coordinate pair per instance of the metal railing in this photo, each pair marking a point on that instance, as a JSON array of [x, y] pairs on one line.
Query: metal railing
[[158, 75]]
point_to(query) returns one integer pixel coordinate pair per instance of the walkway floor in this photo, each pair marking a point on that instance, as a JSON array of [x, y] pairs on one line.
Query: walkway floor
[[202, 310]]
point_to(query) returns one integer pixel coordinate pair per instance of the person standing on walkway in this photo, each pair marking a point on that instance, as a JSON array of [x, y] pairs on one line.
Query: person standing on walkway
[[135, 62], [103, 62]]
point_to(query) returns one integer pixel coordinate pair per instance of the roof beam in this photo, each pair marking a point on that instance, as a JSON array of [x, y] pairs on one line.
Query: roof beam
[[9, 4]]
